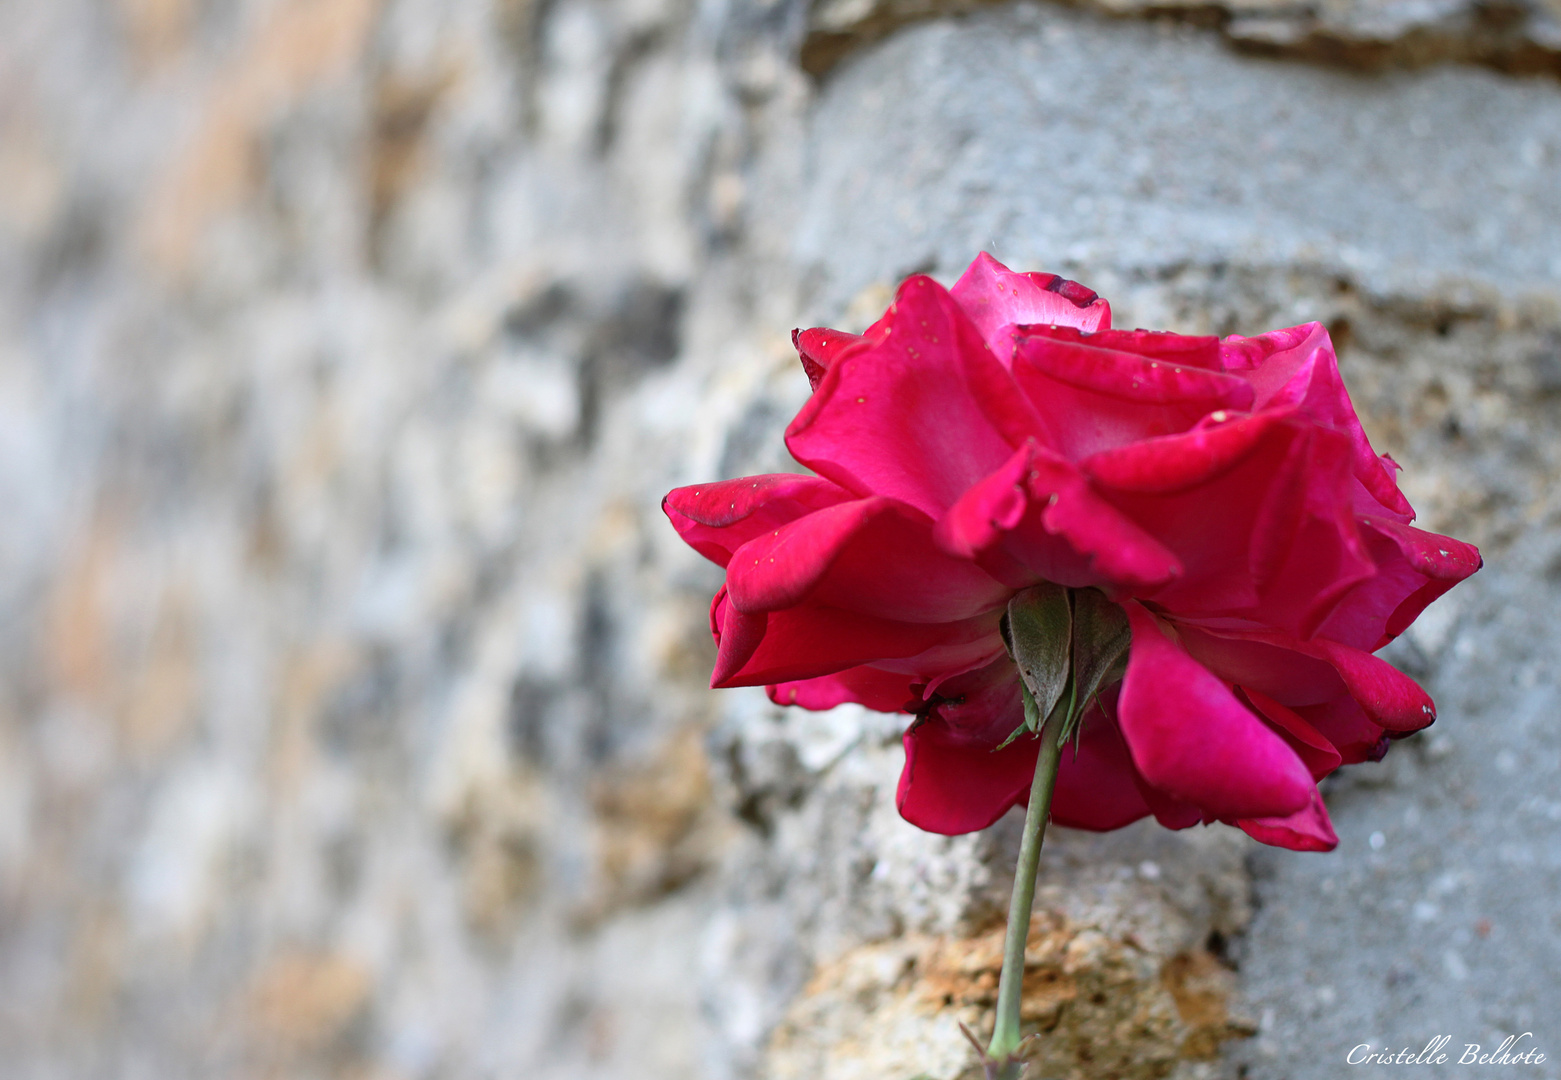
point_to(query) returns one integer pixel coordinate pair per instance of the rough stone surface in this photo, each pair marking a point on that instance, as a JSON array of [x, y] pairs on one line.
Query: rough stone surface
[[1516, 36], [352, 706], [1119, 979], [1443, 861]]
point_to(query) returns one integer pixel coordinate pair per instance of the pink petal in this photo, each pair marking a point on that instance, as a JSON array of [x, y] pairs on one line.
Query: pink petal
[[1170, 812], [1307, 552], [882, 691], [1192, 739], [1256, 512], [1176, 463], [954, 779], [1184, 349], [1095, 787], [981, 704], [818, 348], [1413, 569], [1298, 367], [955, 656], [873, 555], [1297, 673], [1388, 696], [977, 525], [919, 414], [997, 299], [1308, 829], [951, 786], [808, 641], [1311, 746], [1292, 678], [1092, 398], [737, 637], [1037, 519], [716, 519], [1347, 728], [1200, 495]]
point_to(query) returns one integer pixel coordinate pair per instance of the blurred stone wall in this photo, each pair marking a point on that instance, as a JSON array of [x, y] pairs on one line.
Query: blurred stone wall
[[353, 720]]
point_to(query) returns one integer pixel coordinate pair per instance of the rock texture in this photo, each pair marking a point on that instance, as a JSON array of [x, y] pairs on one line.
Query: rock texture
[[1522, 37], [353, 718], [1119, 979]]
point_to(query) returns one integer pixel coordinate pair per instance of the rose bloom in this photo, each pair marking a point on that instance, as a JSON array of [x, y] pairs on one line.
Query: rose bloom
[[982, 439]]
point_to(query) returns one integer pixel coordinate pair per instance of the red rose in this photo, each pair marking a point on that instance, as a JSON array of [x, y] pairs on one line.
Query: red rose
[[980, 440]]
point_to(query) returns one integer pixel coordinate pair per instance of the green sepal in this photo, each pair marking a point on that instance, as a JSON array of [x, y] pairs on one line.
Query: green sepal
[[1039, 635], [1067, 644], [1101, 636], [1032, 718]]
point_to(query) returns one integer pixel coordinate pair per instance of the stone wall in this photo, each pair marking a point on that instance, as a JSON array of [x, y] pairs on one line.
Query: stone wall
[[353, 718]]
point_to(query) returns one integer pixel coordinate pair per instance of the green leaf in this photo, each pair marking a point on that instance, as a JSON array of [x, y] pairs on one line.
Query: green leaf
[[1101, 637], [1032, 718], [1039, 634]]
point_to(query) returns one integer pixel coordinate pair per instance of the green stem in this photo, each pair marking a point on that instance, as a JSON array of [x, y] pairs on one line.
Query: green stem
[[1005, 1035]]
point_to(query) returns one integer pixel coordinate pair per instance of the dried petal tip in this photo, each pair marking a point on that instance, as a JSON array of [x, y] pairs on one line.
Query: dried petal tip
[[818, 348]]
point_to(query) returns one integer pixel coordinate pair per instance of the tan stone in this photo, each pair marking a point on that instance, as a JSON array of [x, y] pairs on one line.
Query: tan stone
[[497, 834], [302, 43], [163, 692], [1098, 1003], [653, 827], [302, 1000], [1522, 37], [158, 29]]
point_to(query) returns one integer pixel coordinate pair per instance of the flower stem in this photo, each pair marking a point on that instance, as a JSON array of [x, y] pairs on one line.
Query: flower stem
[[1005, 1034]]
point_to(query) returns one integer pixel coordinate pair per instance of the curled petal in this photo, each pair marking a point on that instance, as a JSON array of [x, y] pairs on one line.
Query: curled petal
[[880, 690], [1169, 811], [737, 635], [817, 348], [1253, 509], [996, 299], [919, 414], [1176, 463], [951, 786], [1320, 756], [1306, 549], [812, 640], [1193, 740], [717, 519], [1199, 494], [1295, 672], [872, 555], [1091, 397], [1289, 677], [1413, 568], [1388, 696], [1347, 728], [1298, 368], [1186, 350], [1308, 829], [1037, 519]]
